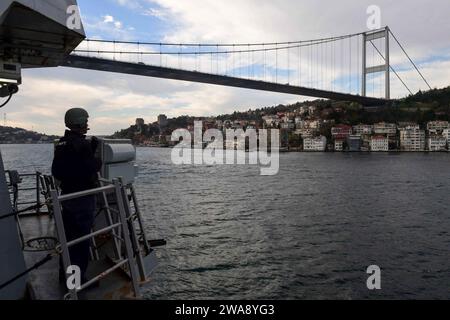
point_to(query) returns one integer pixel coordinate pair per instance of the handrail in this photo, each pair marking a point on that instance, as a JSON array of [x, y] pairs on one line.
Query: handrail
[[103, 274], [89, 192], [93, 234]]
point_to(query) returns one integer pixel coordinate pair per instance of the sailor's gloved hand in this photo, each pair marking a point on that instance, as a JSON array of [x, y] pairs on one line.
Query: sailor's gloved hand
[[94, 144]]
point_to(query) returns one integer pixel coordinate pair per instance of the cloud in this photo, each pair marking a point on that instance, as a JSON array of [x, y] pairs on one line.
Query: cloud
[[153, 12], [108, 19], [131, 4], [107, 26]]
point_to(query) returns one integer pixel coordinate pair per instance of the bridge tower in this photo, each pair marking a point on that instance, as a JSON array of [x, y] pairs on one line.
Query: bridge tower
[[369, 37]]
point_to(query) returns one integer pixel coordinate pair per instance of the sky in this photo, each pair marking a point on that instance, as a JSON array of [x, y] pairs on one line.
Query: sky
[[114, 101]]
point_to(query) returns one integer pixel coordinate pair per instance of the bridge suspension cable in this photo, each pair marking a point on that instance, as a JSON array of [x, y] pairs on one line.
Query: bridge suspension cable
[[327, 64], [287, 45], [391, 67], [412, 62]]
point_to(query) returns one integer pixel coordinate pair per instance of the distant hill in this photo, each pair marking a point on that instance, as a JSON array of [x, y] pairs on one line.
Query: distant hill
[[419, 108], [9, 135]]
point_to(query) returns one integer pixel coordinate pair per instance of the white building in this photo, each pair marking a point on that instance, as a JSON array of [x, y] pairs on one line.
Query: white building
[[288, 125], [379, 144], [412, 140], [271, 120], [312, 110], [436, 143], [437, 126], [407, 125], [305, 133], [363, 129], [339, 145], [446, 134], [298, 120], [315, 144], [385, 128]]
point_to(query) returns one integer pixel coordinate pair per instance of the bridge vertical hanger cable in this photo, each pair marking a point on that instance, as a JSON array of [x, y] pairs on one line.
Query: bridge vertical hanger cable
[[342, 66], [358, 87], [316, 66], [276, 67], [310, 65], [333, 60], [264, 62], [328, 66], [350, 64], [299, 72], [180, 56], [289, 65], [211, 63], [240, 65], [249, 64], [233, 72], [199, 59], [321, 65], [114, 46]]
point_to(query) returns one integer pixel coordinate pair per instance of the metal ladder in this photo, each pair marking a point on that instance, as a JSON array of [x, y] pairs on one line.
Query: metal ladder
[[116, 228], [135, 224]]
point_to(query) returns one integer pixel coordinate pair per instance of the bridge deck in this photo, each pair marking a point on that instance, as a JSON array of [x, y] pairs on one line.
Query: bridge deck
[[98, 64]]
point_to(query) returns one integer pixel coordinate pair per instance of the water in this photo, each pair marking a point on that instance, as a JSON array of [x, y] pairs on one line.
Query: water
[[308, 233]]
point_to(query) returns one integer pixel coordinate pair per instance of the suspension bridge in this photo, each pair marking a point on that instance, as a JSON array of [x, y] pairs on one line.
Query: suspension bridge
[[354, 67]]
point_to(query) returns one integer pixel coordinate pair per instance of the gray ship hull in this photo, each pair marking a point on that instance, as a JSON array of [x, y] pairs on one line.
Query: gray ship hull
[[11, 256]]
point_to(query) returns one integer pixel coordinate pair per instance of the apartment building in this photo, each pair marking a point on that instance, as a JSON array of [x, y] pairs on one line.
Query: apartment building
[[412, 140], [379, 144], [436, 143], [315, 144]]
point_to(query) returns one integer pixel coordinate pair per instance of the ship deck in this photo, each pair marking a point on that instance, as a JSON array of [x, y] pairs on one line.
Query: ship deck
[[44, 284]]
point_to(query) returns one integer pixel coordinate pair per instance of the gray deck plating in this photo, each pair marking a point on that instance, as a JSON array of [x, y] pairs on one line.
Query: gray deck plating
[[44, 282]]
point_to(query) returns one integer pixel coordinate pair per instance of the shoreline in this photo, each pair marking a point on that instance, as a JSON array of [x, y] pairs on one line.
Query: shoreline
[[328, 151], [280, 151]]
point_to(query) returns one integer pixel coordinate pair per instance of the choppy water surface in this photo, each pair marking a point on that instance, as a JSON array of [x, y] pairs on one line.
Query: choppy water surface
[[309, 232]]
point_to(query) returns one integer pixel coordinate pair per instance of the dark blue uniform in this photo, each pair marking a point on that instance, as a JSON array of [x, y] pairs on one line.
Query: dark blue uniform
[[76, 167]]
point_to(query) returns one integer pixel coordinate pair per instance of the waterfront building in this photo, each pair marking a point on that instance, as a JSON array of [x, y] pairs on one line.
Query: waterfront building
[[341, 131], [436, 143], [288, 125], [271, 120], [315, 144], [363, 129], [379, 143], [412, 140], [437, 127], [339, 145], [305, 132], [384, 128], [354, 143], [446, 134], [407, 125]]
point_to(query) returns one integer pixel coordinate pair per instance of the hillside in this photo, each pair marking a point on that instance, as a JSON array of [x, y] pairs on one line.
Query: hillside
[[9, 135], [419, 108]]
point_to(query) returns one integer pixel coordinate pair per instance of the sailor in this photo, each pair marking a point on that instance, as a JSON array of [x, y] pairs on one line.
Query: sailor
[[75, 167]]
